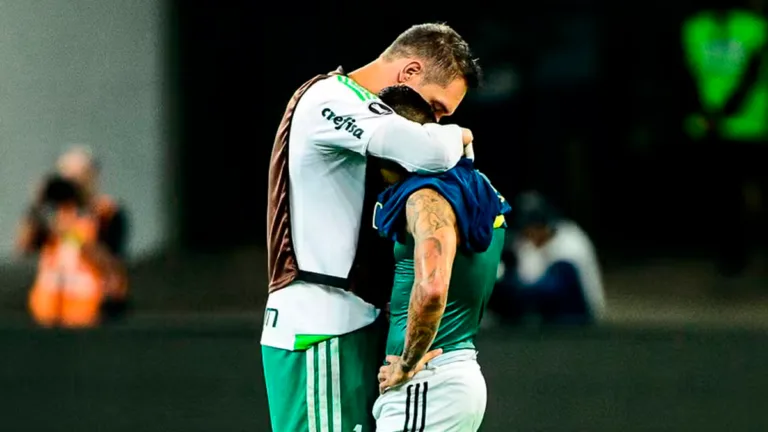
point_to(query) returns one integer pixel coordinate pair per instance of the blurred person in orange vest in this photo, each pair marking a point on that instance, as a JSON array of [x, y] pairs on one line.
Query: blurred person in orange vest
[[80, 234]]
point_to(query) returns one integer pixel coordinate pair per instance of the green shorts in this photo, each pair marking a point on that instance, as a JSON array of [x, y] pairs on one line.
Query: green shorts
[[330, 387]]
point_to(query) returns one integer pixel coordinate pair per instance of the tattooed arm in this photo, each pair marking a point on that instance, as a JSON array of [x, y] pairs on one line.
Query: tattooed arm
[[432, 223]]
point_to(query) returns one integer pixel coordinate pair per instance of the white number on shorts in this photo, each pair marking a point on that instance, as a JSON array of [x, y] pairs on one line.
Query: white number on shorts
[[358, 428]]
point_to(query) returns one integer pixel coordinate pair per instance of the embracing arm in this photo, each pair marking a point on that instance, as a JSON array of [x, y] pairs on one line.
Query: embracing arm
[[336, 114], [432, 223], [428, 148]]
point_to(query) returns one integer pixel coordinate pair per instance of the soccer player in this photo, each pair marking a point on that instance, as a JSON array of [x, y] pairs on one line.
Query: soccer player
[[322, 340], [449, 232]]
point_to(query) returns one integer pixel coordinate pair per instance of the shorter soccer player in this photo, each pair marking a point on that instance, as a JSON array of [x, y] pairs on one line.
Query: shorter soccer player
[[448, 231]]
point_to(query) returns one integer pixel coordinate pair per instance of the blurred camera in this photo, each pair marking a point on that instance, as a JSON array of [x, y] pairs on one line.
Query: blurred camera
[[60, 191]]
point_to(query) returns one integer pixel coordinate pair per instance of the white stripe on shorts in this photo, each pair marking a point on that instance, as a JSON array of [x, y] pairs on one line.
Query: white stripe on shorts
[[335, 385], [317, 387], [322, 387], [311, 419]]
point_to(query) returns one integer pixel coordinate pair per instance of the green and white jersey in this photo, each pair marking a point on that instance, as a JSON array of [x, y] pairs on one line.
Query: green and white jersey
[[335, 125], [472, 281]]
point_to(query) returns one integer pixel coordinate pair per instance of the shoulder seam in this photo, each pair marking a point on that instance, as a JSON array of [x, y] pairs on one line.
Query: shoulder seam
[[363, 94], [339, 88]]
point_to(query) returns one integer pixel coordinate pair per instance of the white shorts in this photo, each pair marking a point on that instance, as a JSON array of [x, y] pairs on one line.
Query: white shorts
[[449, 395]]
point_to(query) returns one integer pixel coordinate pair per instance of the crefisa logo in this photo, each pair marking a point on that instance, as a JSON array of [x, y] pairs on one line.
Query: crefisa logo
[[341, 122]]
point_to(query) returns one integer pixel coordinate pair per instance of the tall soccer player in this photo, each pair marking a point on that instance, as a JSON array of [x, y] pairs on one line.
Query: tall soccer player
[[321, 344], [449, 235]]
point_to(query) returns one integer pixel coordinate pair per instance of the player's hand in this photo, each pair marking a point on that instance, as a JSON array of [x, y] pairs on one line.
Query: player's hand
[[466, 136], [392, 375]]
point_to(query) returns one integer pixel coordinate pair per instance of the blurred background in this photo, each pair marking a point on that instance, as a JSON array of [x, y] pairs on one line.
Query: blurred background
[[645, 124]]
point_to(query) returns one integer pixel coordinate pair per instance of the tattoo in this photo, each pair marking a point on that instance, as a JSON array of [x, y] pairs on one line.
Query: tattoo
[[432, 223]]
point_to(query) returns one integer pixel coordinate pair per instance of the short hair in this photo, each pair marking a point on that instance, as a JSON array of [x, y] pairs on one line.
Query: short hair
[[447, 54], [408, 103]]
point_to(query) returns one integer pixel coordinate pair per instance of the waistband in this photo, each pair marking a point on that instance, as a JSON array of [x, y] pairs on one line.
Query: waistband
[[452, 357]]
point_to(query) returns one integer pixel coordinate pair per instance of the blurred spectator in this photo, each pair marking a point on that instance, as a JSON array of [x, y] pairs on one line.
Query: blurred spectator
[[81, 237], [725, 49], [550, 270]]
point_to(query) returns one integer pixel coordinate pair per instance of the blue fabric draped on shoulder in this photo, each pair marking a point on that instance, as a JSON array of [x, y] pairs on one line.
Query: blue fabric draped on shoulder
[[474, 200]]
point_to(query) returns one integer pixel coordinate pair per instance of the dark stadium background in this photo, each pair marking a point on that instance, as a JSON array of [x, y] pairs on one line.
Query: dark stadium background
[[605, 145], [238, 65]]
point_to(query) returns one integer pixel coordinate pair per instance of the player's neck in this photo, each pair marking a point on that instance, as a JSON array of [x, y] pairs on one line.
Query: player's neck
[[370, 76]]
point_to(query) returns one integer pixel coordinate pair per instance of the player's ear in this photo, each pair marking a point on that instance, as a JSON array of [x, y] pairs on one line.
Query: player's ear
[[411, 70]]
